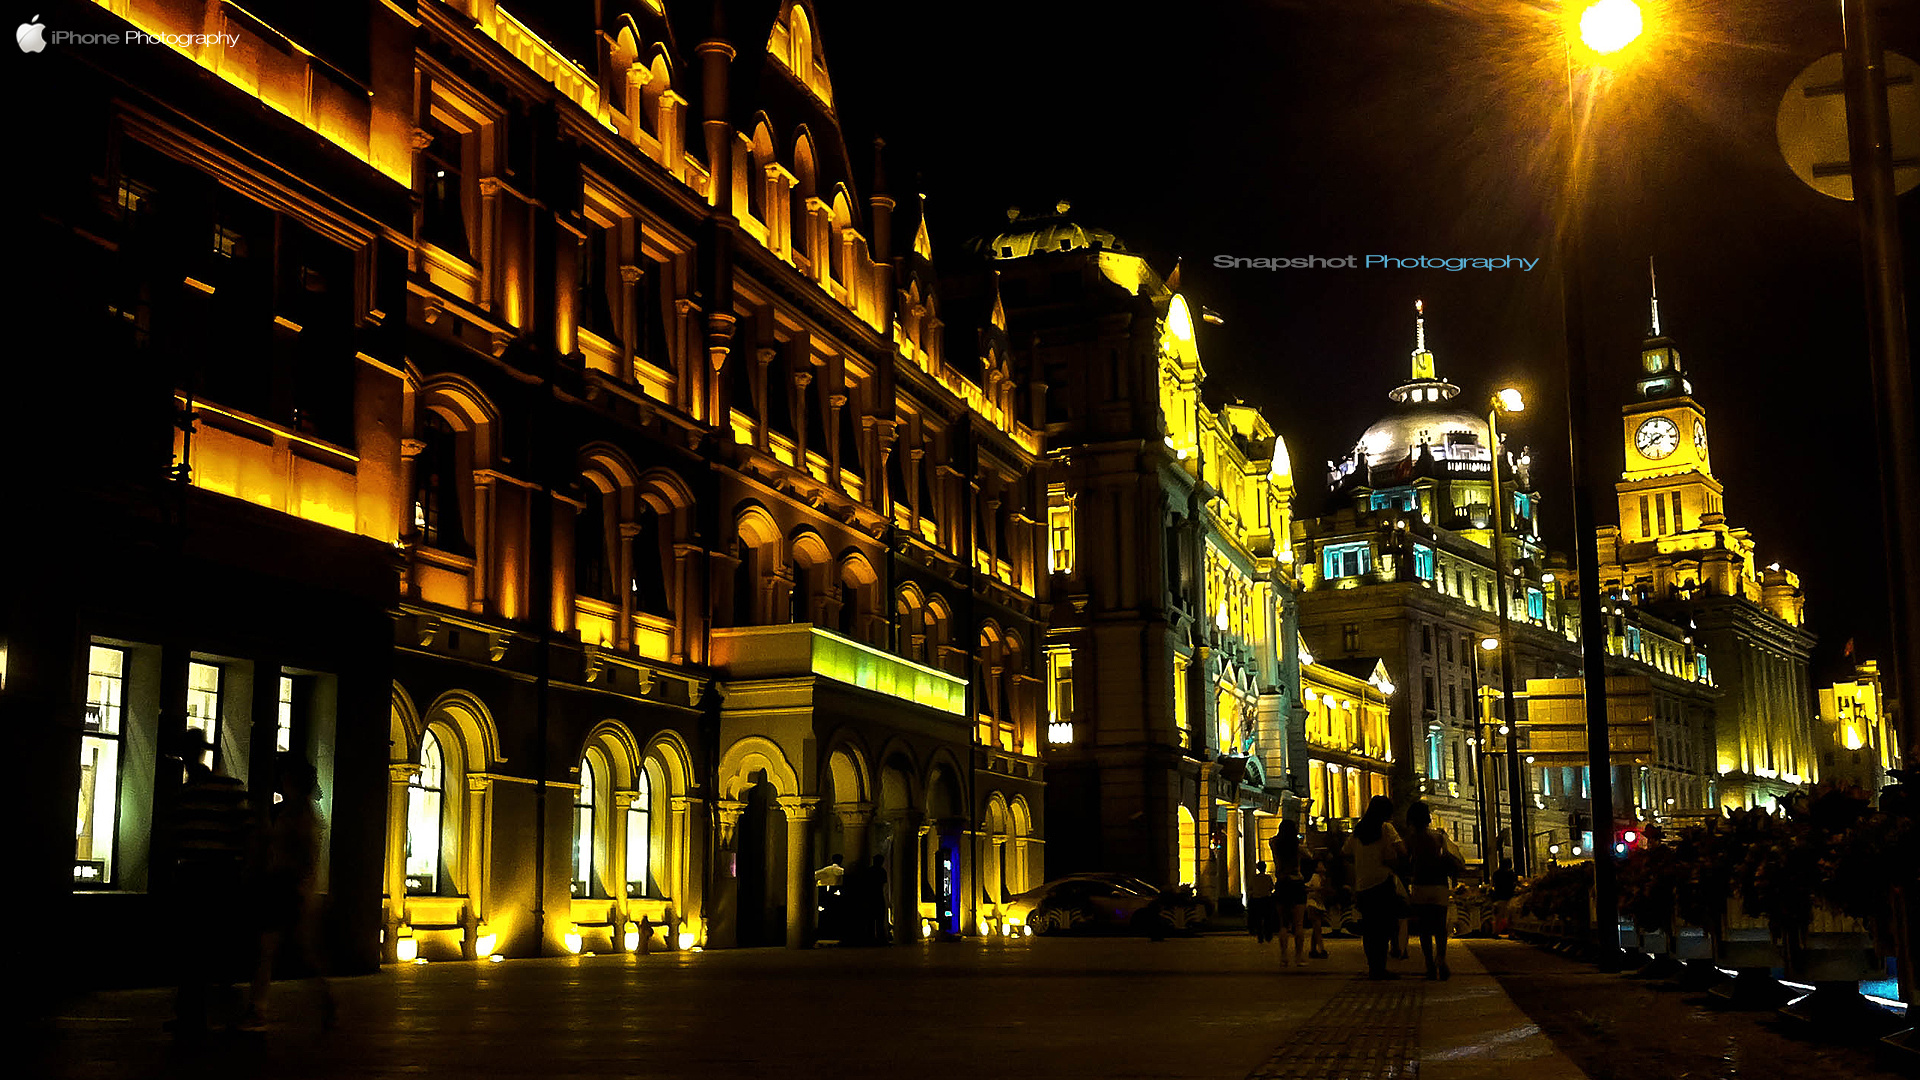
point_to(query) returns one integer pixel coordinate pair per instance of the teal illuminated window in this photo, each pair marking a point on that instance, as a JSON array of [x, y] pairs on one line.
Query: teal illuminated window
[[1536, 604], [1346, 560], [1700, 666], [1523, 504], [1435, 766], [1400, 498], [1633, 641], [1423, 562]]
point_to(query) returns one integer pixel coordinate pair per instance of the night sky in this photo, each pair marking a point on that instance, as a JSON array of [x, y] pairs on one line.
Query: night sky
[[1407, 128]]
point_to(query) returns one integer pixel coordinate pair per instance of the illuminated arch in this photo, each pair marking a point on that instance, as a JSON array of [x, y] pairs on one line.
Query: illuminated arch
[[404, 727], [464, 713], [756, 753], [845, 771]]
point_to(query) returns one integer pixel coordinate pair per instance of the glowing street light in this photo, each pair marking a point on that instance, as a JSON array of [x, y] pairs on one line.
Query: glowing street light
[[1610, 25], [1509, 400]]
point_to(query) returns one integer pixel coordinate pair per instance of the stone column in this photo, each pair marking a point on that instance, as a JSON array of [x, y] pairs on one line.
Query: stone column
[[410, 450], [617, 869], [799, 814], [483, 540], [623, 575], [477, 844], [856, 820], [399, 776]]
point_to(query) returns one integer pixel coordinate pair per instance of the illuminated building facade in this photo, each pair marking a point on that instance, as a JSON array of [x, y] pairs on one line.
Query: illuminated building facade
[[1674, 553], [1348, 735], [1401, 570], [582, 468], [1857, 740], [1172, 671]]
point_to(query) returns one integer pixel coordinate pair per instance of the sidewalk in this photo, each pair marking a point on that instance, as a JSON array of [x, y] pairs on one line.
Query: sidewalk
[[1218, 1007]]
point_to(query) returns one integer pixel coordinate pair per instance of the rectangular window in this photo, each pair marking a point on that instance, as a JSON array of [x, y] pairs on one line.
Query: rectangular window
[[1646, 520], [1346, 560], [1453, 702], [1633, 641], [1423, 562], [1676, 512], [1180, 700], [1060, 531], [1436, 770], [101, 746], [1660, 514], [1393, 499], [283, 720], [1350, 637], [1426, 640], [1060, 696], [1536, 604], [203, 705]]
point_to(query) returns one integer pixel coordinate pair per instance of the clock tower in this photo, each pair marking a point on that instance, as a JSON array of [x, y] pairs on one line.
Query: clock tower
[[1668, 485]]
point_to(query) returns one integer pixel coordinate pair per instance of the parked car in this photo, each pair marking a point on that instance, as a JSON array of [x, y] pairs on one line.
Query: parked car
[[1107, 903]]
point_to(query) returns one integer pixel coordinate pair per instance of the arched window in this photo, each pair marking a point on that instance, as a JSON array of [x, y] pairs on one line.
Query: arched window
[[649, 563], [640, 836], [592, 573], [424, 809], [583, 878], [800, 219], [436, 487]]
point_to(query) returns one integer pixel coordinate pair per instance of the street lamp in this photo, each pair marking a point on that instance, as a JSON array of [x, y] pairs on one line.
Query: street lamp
[[1507, 400], [1613, 28], [1483, 749], [1610, 25]]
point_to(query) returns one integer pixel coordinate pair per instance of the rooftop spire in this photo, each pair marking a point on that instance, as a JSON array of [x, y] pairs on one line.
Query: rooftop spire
[[1422, 359], [1653, 292]]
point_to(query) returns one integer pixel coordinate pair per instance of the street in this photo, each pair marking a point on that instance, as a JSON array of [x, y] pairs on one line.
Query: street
[[1218, 1006]]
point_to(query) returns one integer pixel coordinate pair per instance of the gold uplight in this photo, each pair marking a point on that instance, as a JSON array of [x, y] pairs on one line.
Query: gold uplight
[[1610, 25]]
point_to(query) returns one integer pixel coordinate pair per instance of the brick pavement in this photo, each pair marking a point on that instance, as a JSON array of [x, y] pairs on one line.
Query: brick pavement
[[1217, 1007]]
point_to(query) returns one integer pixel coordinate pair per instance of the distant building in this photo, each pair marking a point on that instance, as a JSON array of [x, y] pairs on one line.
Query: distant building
[[1170, 643], [1857, 739], [1401, 567], [1674, 553]]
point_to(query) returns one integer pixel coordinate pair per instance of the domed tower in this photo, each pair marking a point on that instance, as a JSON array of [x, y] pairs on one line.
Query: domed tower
[[1432, 457]]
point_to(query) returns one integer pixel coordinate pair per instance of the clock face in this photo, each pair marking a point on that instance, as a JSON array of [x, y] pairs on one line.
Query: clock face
[[1657, 438], [1699, 434]]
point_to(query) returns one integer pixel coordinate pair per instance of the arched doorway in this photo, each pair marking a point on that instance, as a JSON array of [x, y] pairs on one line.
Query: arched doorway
[[760, 863]]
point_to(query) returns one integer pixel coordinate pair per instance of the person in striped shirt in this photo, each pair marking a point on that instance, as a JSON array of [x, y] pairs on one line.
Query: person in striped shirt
[[207, 833]]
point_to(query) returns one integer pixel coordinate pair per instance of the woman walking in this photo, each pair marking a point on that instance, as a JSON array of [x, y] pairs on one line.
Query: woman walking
[[288, 906], [1290, 893], [1377, 853], [1433, 862]]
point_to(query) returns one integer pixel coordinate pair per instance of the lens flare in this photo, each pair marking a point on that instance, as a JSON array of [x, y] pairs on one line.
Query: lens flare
[[1610, 25]]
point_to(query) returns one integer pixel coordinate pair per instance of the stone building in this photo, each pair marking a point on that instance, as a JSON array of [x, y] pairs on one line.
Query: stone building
[[1674, 553], [1858, 744], [1173, 677], [553, 430], [1401, 568]]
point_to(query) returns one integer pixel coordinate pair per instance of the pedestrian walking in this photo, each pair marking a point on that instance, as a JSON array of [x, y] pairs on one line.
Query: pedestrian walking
[[1377, 853], [1433, 862], [286, 898], [1317, 907], [204, 828], [1260, 915], [1290, 893]]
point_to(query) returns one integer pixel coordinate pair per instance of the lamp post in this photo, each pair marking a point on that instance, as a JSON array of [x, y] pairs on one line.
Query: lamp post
[[1489, 800], [1509, 401], [1605, 27]]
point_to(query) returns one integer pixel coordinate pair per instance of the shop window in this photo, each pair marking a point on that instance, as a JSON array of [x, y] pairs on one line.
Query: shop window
[[425, 807], [583, 831], [640, 835], [203, 706], [102, 751]]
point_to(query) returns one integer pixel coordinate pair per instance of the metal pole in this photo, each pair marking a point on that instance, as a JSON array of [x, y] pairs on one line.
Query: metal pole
[[1516, 771], [1870, 150], [1489, 803], [1593, 639], [1870, 146]]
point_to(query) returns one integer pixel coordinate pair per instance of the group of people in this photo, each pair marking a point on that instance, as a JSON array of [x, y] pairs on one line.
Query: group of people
[[242, 869], [852, 903], [1402, 886]]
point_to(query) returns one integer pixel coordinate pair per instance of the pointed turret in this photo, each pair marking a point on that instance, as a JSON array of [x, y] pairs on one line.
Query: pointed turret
[[1424, 383]]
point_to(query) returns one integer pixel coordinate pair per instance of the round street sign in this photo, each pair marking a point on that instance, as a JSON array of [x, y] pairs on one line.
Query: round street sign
[[1812, 126]]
